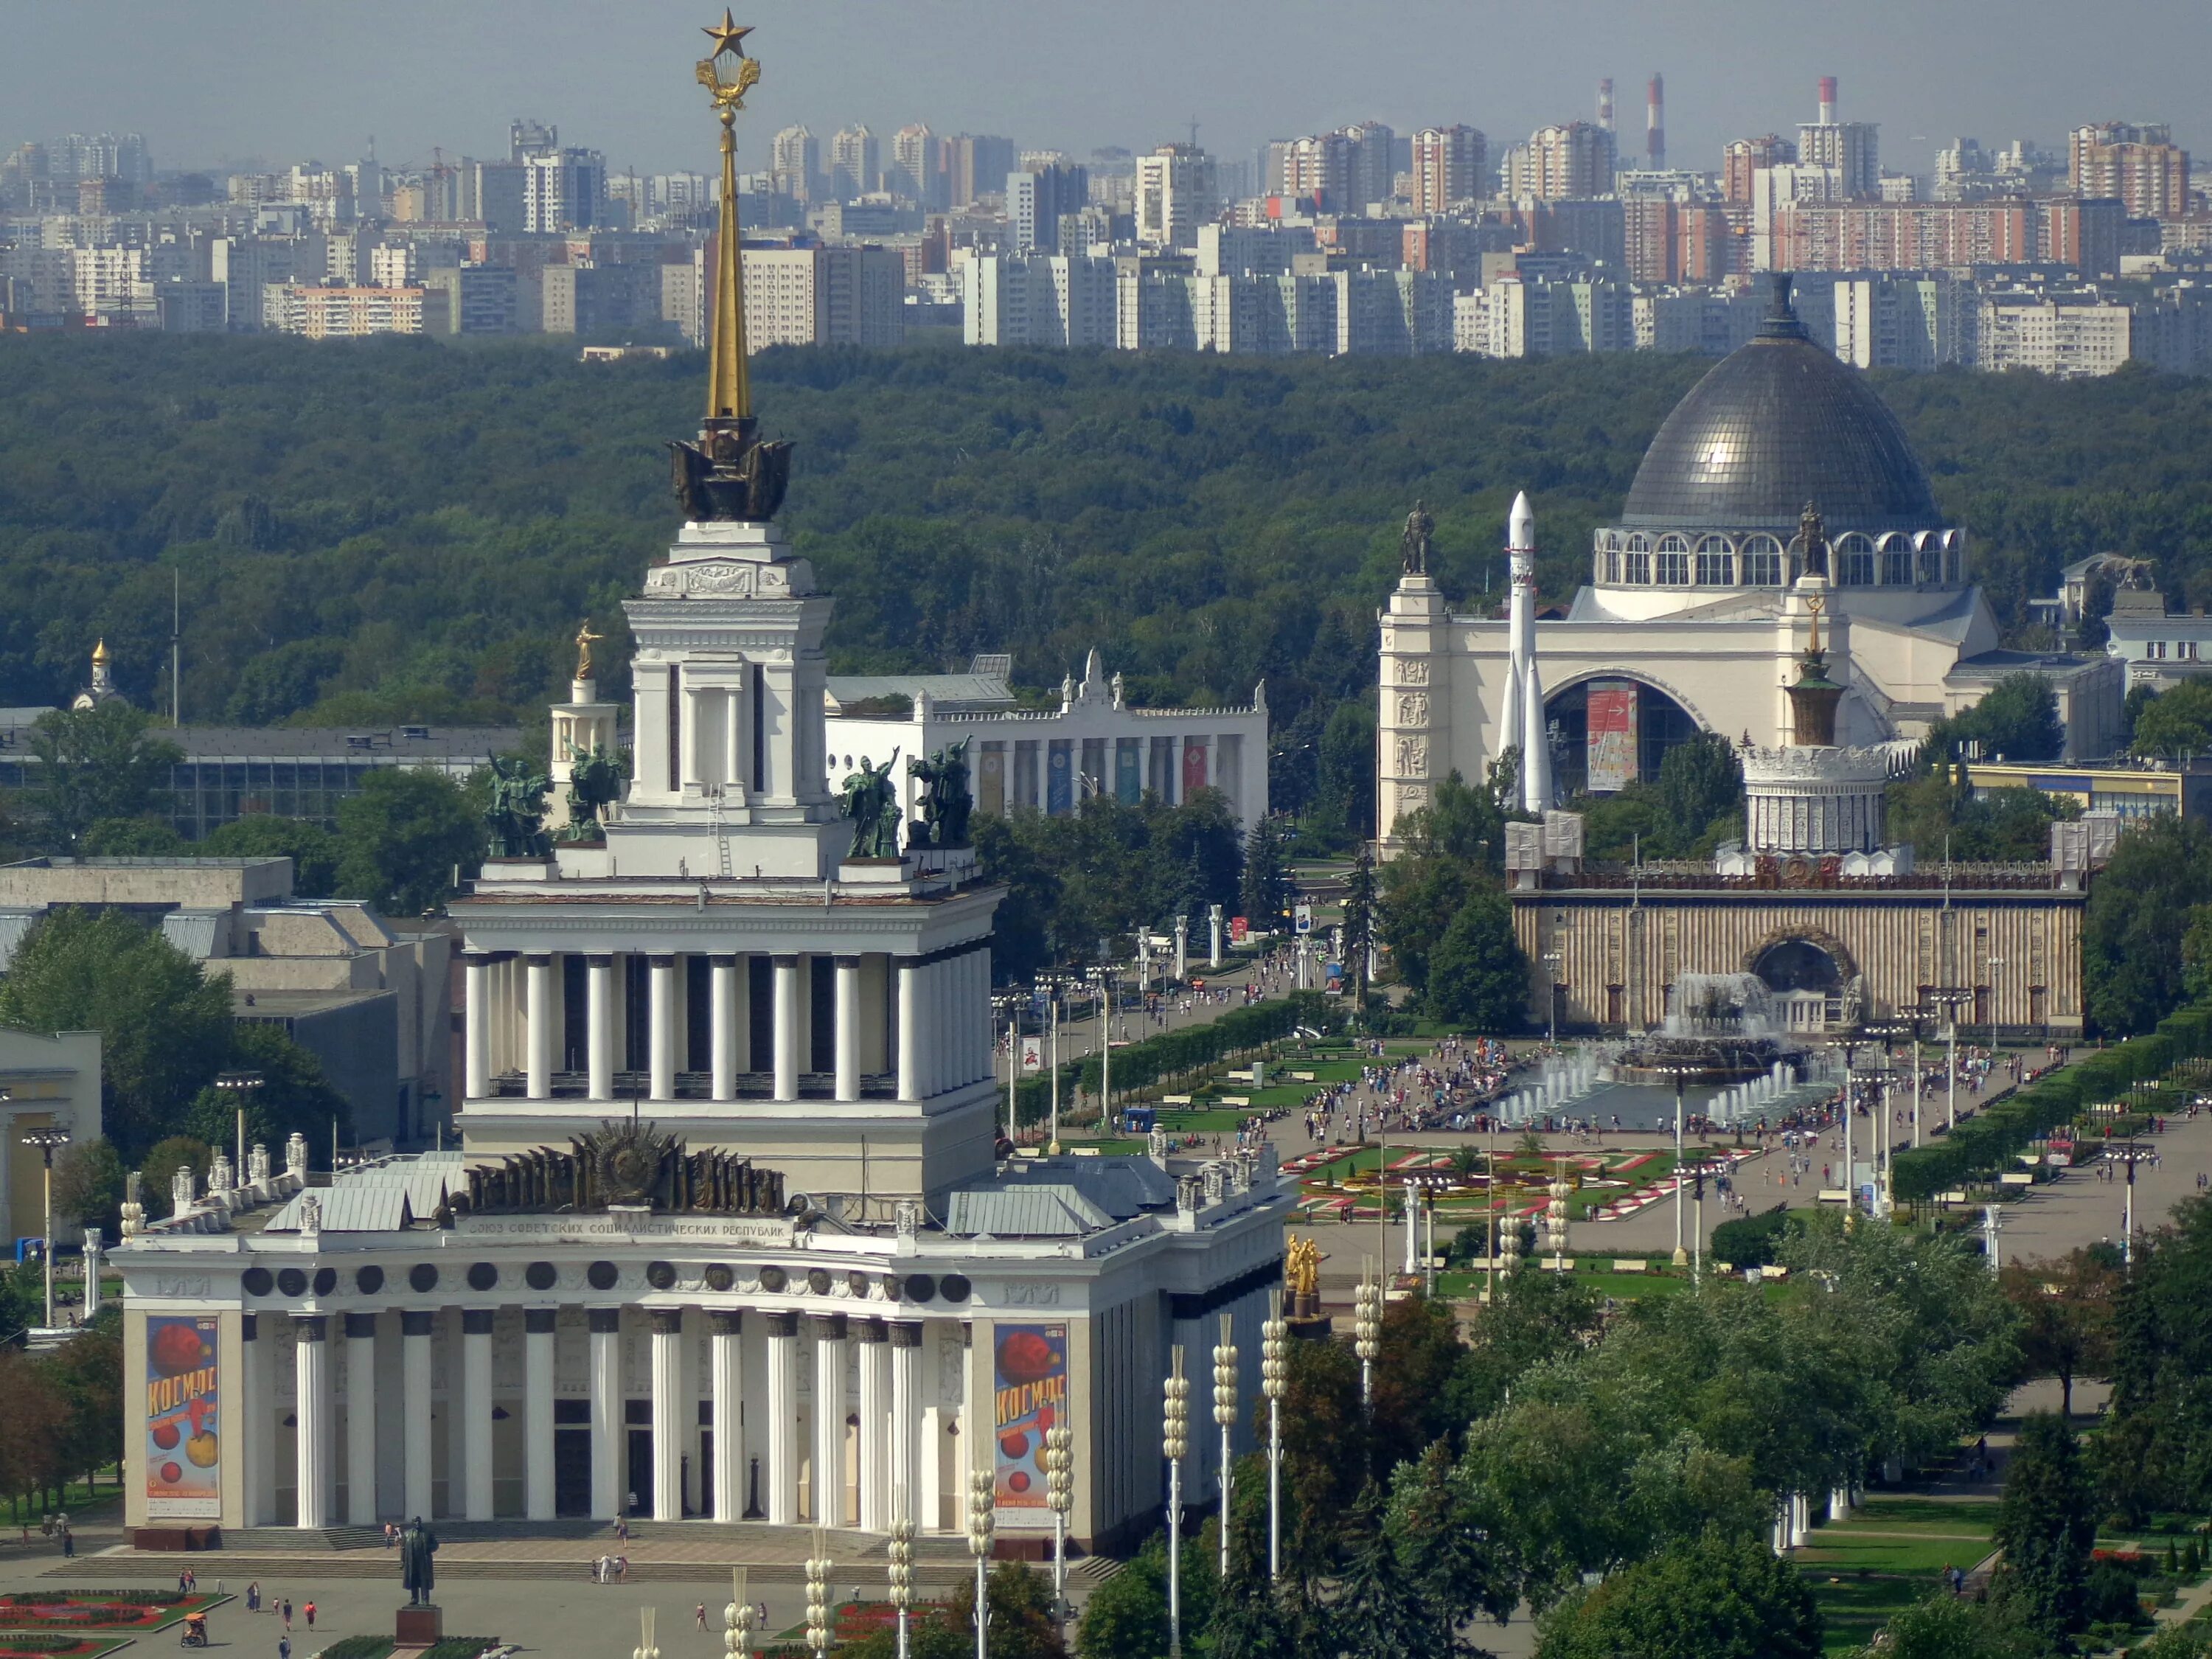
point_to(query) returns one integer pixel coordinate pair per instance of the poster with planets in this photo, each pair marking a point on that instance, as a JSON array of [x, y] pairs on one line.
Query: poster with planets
[[183, 1449], [1029, 1390]]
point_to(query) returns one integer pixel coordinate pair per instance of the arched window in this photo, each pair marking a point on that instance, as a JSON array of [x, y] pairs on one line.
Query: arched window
[[1673, 561], [1637, 565], [1715, 562], [1854, 560], [1896, 561], [1931, 556], [1607, 563], [1954, 557], [1762, 561]]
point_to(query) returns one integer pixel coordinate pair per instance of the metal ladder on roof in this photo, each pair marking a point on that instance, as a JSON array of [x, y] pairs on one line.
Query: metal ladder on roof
[[721, 832]]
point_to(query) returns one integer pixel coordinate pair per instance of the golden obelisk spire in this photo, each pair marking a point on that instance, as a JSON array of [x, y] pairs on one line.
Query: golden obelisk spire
[[729, 386]]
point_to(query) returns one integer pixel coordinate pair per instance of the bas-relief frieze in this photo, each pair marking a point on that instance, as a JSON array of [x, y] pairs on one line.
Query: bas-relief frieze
[[721, 579], [1413, 709], [1412, 671], [1029, 1293]]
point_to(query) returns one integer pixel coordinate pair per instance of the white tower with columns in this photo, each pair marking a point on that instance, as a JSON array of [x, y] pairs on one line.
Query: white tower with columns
[[1524, 701]]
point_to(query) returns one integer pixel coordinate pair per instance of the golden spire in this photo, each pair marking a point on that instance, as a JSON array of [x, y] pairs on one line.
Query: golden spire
[[99, 654], [729, 387]]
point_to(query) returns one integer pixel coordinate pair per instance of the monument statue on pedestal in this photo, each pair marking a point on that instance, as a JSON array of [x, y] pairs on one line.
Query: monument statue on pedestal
[[417, 1546], [516, 817], [595, 782], [871, 800], [946, 802], [1414, 544]]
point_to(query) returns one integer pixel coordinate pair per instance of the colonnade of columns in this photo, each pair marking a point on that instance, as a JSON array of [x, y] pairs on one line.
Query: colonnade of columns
[[888, 1448], [930, 1028]]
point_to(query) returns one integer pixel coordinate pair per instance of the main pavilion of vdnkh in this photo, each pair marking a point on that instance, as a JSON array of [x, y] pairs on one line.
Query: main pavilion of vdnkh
[[730, 1233]]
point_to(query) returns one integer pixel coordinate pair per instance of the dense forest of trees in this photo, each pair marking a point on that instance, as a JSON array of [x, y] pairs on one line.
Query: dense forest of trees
[[408, 529]]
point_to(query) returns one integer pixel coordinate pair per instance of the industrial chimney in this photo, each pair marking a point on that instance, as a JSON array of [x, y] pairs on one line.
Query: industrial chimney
[[1605, 105], [1655, 123], [1827, 101]]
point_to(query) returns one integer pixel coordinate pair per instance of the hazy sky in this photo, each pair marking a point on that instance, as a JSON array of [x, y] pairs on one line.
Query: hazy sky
[[211, 79]]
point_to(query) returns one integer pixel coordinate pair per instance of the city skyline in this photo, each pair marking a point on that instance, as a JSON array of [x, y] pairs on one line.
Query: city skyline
[[226, 83]]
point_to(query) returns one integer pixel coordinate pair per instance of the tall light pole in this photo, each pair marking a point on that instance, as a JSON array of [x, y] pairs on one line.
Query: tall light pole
[[1995, 1001], [1552, 960], [902, 1554], [1224, 1417], [982, 1521], [1274, 1377], [738, 1619], [48, 1142], [1681, 1072], [1367, 1334], [242, 1087], [1059, 1461], [819, 1631], [1886, 1149], [1851, 1191], [1175, 1442]]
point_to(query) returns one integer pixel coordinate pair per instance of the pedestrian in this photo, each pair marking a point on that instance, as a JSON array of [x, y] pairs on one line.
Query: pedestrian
[[310, 1615], [69, 1542], [702, 1615], [288, 1614], [283, 1647], [253, 1596]]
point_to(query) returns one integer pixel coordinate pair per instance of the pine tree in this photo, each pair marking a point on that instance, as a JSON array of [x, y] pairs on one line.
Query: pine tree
[[2046, 1523]]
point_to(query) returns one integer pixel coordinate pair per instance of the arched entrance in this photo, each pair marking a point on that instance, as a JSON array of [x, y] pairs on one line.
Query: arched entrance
[[1811, 980], [1613, 731]]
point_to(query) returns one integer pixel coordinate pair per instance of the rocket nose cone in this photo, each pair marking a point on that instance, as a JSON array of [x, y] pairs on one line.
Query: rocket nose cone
[[1521, 523]]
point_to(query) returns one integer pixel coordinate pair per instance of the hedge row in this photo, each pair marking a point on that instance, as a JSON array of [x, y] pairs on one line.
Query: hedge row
[[1992, 1139]]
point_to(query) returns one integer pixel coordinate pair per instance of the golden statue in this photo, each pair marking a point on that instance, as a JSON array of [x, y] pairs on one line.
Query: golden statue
[[1301, 1268], [585, 641]]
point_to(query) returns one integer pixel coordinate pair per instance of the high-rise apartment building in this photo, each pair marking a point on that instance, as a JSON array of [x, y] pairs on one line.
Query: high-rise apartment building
[[1746, 156], [1317, 170], [527, 138], [975, 164], [77, 156], [1450, 165], [495, 195], [854, 163], [795, 163], [1850, 147], [1037, 198], [2138, 163], [1037, 301], [917, 170], [1369, 173], [1562, 163], [564, 190], [1175, 194]]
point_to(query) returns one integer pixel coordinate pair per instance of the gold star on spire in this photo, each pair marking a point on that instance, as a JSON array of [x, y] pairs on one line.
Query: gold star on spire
[[728, 34]]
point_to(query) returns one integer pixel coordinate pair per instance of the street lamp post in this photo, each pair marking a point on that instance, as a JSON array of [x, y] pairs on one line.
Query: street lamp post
[[1552, 960], [1886, 1149], [1367, 1332], [48, 1142], [1060, 1497], [982, 1521], [242, 1087], [738, 1619], [1175, 1440], [819, 1631], [902, 1554], [1274, 1377], [1995, 1001], [1681, 1073], [1851, 1177], [1224, 1417]]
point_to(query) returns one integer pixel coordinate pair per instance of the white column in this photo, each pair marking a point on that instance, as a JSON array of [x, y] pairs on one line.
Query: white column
[[539, 993], [663, 1028], [690, 737], [829, 1419], [538, 1369], [312, 1410], [907, 1421], [932, 1036], [727, 1360], [849, 1027], [476, 1018], [782, 1419], [361, 1419], [474, 1424], [909, 1028], [668, 1427], [723, 998], [979, 1015], [608, 1440], [414, 1328], [875, 1424], [786, 1028], [599, 1013], [257, 1419]]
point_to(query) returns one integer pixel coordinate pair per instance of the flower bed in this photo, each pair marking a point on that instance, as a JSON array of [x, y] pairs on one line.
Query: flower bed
[[120, 1609], [63, 1646]]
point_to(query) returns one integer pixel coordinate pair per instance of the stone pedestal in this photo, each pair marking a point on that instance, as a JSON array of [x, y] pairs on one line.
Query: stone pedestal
[[419, 1626]]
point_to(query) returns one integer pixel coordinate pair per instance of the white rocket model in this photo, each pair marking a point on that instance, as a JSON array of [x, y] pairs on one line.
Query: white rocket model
[[1524, 724]]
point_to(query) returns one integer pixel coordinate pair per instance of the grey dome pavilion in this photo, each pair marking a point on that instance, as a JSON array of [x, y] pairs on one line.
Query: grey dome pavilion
[[1778, 424]]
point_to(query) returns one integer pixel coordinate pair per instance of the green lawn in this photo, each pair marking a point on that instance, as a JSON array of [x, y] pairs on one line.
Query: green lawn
[[1886, 1557]]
